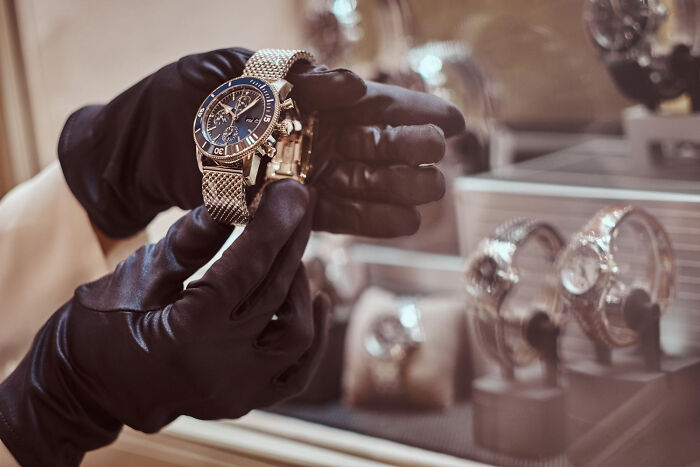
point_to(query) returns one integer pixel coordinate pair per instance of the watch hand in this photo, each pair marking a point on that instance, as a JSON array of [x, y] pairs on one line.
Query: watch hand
[[248, 107], [228, 109]]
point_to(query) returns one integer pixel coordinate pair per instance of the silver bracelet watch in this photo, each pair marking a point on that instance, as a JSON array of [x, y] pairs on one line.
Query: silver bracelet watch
[[594, 279], [248, 132], [492, 277]]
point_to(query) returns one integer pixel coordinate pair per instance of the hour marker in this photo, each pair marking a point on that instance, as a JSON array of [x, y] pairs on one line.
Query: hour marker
[[236, 147], [249, 140], [197, 130]]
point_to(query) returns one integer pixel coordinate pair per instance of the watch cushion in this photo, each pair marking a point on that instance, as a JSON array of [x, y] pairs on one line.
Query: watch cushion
[[433, 371]]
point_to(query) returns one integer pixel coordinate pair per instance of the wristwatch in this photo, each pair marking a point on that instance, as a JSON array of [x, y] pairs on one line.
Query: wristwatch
[[500, 314], [249, 132], [635, 40], [594, 279], [393, 336]]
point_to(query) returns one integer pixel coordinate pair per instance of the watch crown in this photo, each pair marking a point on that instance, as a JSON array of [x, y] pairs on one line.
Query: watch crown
[[287, 104], [286, 127]]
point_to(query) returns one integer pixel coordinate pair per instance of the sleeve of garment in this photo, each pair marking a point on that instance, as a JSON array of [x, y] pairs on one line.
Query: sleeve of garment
[[47, 248]]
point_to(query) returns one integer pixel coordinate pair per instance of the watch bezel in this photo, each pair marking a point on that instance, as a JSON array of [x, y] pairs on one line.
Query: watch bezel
[[234, 152]]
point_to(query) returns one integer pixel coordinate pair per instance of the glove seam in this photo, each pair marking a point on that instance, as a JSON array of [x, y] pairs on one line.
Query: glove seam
[[120, 310], [78, 294]]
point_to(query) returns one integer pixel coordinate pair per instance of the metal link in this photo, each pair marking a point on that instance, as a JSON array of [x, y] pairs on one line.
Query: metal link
[[274, 64], [224, 196], [518, 230]]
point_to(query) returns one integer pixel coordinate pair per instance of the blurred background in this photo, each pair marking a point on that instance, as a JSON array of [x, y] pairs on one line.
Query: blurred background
[[543, 75], [552, 134]]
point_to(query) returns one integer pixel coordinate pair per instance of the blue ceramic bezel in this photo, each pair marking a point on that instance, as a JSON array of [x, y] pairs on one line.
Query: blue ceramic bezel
[[235, 151]]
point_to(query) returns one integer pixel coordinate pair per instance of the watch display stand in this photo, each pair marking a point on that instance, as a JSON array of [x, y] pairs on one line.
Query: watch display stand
[[666, 146], [631, 409], [523, 416]]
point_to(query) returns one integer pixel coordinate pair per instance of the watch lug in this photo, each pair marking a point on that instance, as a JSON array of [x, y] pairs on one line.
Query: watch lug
[[283, 88], [251, 165], [199, 156]]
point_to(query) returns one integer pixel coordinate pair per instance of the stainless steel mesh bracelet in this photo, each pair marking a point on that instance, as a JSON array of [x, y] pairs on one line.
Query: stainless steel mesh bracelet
[[224, 196], [274, 64]]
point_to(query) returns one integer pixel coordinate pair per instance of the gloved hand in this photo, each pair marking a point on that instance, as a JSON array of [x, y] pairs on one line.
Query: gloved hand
[[134, 348], [134, 157]]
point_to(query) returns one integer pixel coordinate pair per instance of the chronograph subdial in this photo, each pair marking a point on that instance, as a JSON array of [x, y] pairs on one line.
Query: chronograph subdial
[[234, 116], [242, 101], [230, 134], [222, 116]]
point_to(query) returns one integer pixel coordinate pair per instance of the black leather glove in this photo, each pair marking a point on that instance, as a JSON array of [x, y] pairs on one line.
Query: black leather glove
[[134, 157], [134, 348]]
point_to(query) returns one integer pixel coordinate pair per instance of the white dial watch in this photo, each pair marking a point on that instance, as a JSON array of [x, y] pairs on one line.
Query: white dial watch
[[594, 281]]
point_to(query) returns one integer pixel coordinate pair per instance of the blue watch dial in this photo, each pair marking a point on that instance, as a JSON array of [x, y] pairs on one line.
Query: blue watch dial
[[234, 115], [234, 118]]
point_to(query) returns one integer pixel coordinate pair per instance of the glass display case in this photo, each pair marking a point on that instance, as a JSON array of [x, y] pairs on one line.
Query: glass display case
[[547, 311]]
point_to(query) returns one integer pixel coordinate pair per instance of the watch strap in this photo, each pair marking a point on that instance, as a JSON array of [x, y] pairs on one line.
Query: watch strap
[[601, 229], [519, 230], [224, 196], [274, 64], [509, 350]]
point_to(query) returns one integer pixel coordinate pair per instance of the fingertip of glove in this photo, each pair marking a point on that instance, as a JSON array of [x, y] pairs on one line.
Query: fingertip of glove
[[439, 138], [413, 222], [200, 215], [355, 87], [284, 201], [454, 122], [321, 88], [440, 133], [408, 223], [443, 184], [288, 188]]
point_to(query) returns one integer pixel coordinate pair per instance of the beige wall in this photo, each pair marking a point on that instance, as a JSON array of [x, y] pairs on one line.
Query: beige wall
[[83, 51]]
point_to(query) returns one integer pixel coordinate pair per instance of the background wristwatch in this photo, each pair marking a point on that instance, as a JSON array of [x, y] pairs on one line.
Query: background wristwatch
[[248, 131], [619, 249], [636, 41], [501, 316], [392, 337]]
